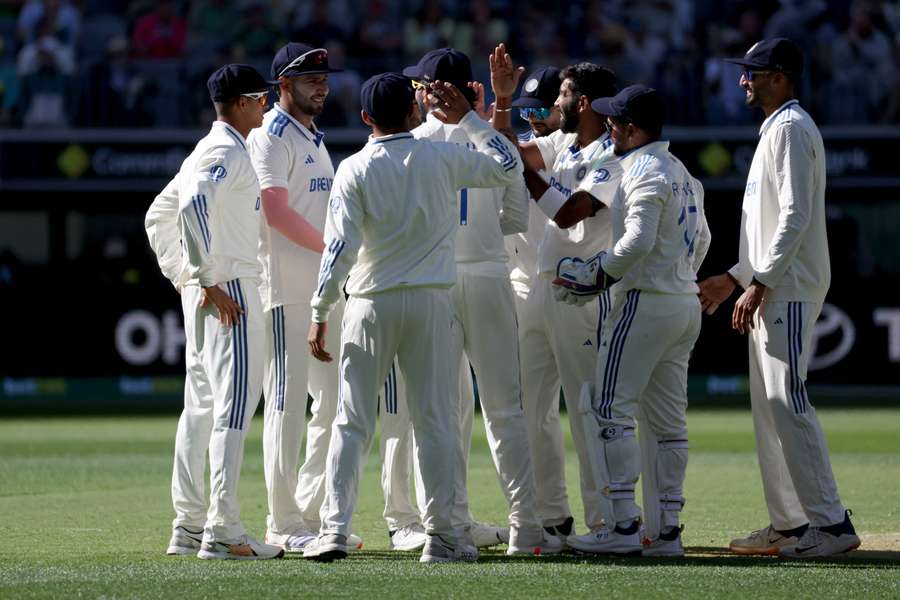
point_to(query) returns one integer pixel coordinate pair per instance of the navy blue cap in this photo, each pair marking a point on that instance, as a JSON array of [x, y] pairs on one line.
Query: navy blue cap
[[295, 59], [541, 89], [639, 104], [231, 81], [387, 97], [777, 54], [444, 64]]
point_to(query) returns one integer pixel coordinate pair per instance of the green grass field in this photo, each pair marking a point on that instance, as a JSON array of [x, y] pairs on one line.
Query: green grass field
[[85, 512]]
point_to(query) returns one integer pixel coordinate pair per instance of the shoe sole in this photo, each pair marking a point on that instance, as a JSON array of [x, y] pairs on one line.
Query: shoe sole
[[743, 551], [329, 554], [181, 551], [206, 555], [435, 559], [635, 552], [535, 551], [811, 556], [407, 548]]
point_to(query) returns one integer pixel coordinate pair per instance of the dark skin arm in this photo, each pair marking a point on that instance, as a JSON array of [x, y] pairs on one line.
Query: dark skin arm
[[578, 207]]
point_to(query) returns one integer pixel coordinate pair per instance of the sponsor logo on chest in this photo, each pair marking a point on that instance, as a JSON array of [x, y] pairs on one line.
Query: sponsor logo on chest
[[320, 184]]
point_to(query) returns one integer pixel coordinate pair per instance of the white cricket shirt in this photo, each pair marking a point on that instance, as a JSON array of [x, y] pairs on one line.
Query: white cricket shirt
[[783, 240], [394, 211], [287, 154], [660, 235]]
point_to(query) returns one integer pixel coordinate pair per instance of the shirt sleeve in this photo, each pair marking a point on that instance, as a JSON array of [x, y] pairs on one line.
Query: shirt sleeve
[[161, 224], [602, 181], [514, 209], [643, 207], [794, 159], [494, 163], [343, 238], [271, 159], [704, 238], [199, 210]]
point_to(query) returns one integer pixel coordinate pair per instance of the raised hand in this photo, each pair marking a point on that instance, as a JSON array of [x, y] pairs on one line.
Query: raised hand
[[450, 104], [485, 112], [504, 76]]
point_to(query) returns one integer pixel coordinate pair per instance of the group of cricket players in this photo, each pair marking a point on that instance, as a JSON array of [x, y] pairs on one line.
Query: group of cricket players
[[560, 260]]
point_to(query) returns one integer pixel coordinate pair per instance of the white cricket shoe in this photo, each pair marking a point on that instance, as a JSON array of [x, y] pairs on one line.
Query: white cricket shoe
[[354, 542], [292, 542], [485, 536], [819, 542], [535, 542], [667, 545], [410, 537], [242, 548], [762, 541], [436, 550], [604, 541], [185, 541], [327, 547]]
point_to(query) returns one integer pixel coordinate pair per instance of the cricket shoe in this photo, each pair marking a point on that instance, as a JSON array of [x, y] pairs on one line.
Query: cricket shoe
[[485, 536], [242, 548], [767, 541], [820, 542], [667, 545], [327, 547], [185, 541], [405, 539], [466, 550], [436, 550], [292, 542], [563, 530], [603, 541], [534, 542]]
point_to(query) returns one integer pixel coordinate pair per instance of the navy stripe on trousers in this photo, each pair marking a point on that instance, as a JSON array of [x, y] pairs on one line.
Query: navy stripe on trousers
[[279, 344], [799, 400], [390, 391], [239, 351], [604, 301], [614, 357]]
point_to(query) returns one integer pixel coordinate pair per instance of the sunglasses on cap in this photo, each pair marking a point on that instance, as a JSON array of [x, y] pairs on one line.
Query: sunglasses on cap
[[316, 56], [258, 96], [538, 114], [420, 85]]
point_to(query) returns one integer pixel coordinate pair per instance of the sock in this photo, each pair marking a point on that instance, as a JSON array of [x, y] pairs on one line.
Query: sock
[[842, 528], [669, 534], [628, 528], [796, 532]]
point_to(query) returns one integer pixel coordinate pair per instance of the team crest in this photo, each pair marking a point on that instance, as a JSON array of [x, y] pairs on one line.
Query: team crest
[[335, 204], [217, 173], [581, 173], [601, 175], [531, 85]]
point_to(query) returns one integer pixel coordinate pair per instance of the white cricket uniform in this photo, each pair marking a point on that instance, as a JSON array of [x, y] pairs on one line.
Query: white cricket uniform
[[204, 228], [484, 332], [784, 246], [558, 342], [393, 216], [286, 154], [660, 238]]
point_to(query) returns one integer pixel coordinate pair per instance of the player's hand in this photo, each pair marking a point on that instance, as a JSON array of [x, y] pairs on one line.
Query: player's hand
[[504, 76], [485, 112], [746, 306], [714, 291], [449, 103], [316, 339], [228, 309]]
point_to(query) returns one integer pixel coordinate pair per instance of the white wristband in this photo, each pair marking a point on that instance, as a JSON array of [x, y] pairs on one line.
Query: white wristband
[[551, 202]]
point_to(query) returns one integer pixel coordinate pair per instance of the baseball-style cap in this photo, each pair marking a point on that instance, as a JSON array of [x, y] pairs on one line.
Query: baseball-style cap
[[777, 54], [296, 59], [231, 81], [387, 97], [540, 90], [639, 104], [445, 64]]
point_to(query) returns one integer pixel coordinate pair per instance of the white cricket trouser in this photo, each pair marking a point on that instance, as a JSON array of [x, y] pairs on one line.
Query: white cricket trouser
[[413, 325], [294, 500], [558, 346], [484, 333], [798, 481], [222, 389], [642, 368], [398, 457]]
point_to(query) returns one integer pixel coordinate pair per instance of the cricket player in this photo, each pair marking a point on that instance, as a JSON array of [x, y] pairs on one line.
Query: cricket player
[[558, 341], [393, 214], [484, 324], [660, 238], [784, 270], [204, 229], [295, 174]]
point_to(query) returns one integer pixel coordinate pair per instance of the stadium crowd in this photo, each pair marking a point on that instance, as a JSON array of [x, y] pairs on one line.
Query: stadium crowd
[[108, 63]]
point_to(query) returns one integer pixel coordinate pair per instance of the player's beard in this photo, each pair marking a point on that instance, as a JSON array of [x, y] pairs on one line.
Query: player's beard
[[568, 117], [308, 107]]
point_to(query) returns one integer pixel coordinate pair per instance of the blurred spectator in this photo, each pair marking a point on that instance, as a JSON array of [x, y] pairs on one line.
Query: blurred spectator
[[378, 34], [45, 67], [320, 30], [212, 23], [160, 33], [116, 94], [862, 68], [429, 29], [64, 17], [479, 33], [259, 37], [45, 47], [9, 87], [342, 107]]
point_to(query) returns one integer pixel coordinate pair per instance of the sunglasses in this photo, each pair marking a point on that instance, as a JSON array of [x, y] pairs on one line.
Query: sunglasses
[[420, 85], [258, 96], [317, 56], [538, 114], [749, 75]]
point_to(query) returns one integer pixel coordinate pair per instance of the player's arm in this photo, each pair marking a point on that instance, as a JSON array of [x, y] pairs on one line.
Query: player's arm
[[794, 173], [161, 224], [271, 161], [343, 237], [643, 208], [595, 193], [504, 80], [704, 238], [514, 209]]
